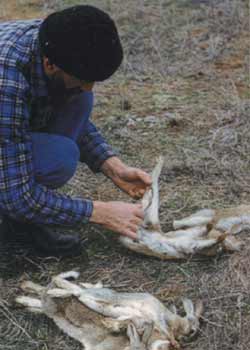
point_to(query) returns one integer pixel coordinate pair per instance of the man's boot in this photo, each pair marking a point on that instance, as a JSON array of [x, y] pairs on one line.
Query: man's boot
[[46, 241]]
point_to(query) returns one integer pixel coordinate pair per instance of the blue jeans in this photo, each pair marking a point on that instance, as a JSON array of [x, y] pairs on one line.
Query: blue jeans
[[56, 151]]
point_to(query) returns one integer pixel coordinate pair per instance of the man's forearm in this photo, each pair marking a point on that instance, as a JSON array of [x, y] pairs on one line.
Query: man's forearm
[[113, 167], [94, 149]]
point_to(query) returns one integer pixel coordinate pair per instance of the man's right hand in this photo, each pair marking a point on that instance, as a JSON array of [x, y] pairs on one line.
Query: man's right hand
[[122, 218]]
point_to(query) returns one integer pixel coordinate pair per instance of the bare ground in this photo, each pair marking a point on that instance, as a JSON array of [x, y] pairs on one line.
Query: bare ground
[[184, 92]]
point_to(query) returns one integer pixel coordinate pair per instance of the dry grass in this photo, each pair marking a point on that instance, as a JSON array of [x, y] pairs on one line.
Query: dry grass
[[183, 91]]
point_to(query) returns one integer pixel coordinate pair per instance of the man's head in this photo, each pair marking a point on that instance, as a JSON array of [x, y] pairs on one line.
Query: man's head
[[80, 45]]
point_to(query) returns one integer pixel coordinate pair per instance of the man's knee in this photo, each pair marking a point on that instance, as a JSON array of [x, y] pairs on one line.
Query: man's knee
[[68, 162], [55, 159]]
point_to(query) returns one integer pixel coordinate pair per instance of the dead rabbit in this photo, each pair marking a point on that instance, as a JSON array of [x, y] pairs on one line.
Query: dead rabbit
[[204, 233], [103, 319]]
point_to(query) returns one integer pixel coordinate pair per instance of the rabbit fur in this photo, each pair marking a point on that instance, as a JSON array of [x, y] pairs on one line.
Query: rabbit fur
[[206, 232], [101, 318]]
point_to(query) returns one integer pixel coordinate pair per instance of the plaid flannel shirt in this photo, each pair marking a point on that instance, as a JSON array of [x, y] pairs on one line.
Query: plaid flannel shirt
[[22, 87]]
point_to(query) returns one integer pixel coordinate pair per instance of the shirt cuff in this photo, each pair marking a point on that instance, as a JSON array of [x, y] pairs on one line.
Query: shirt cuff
[[86, 210], [97, 164]]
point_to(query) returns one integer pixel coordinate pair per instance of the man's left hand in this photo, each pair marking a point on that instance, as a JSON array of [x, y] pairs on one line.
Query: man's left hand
[[131, 180]]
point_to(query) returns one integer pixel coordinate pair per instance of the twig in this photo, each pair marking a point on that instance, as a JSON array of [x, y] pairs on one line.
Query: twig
[[4, 310]]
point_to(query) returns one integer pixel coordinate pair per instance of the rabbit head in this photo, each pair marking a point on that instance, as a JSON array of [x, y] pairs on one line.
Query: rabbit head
[[187, 326], [192, 318]]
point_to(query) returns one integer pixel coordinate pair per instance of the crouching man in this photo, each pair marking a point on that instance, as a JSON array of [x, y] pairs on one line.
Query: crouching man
[[47, 72]]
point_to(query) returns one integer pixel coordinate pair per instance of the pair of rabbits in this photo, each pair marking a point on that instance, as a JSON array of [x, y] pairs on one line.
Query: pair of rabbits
[[207, 232], [103, 319]]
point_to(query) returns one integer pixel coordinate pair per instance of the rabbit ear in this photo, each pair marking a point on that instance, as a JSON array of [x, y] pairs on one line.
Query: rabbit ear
[[29, 286], [173, 309], [90, 285], [59, 293], [69, 274], [147, 332], [188, 307], [199, 308], [29, 302], [62, 283], [133, 335]]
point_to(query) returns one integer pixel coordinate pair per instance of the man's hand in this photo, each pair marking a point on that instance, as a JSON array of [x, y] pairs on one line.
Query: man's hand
[[120, 217], [131, 180]]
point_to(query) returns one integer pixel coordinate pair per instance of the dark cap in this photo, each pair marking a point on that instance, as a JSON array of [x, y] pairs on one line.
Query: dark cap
[[83, 41]]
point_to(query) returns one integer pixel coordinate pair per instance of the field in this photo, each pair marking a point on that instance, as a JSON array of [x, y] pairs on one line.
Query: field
[[183, 91]]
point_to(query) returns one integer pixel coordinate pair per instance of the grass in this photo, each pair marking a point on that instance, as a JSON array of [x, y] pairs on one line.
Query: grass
[[183, 92]]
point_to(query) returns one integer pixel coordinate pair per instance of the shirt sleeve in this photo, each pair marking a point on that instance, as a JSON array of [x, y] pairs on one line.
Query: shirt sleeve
[[94, 149], [21, 197]]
